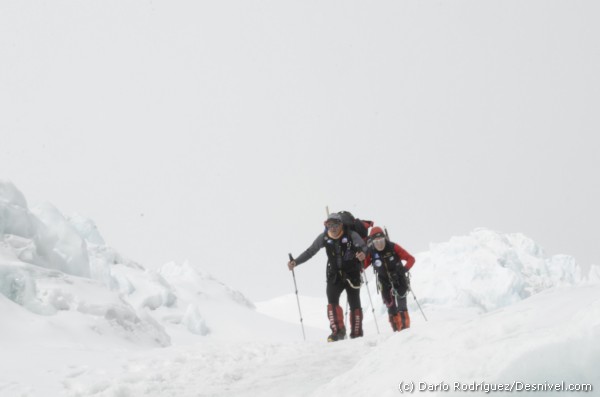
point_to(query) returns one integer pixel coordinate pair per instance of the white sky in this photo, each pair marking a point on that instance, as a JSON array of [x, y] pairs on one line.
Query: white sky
[[218, 131]]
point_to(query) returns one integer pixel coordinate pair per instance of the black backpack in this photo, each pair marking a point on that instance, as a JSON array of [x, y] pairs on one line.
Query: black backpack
[[359, 226]]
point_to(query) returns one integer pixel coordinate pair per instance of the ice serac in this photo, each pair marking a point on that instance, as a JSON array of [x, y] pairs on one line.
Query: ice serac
[[67, 249], [41, 236], [15, 218], [486, 270], [45, 269], [86, 228]]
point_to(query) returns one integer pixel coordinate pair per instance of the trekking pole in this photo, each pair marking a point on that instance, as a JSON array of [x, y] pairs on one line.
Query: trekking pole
[[297, 299], [414, 296], [370, 300]]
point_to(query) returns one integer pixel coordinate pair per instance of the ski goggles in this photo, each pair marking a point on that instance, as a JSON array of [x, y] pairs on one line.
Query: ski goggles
[[378, 240], [333, 224]]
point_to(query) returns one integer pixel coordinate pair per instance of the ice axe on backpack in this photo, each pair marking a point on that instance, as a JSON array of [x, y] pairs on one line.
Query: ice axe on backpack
[[297, 298]]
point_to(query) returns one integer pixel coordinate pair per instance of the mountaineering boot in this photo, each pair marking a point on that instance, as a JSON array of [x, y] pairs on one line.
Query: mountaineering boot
[[393, 322], [336, 323], [405, 319], [400, 321], [356, 317], [340, 335]]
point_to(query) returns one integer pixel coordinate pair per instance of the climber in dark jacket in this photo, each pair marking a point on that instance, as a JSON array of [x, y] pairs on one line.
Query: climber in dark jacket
[[345, 252], [391, 262]]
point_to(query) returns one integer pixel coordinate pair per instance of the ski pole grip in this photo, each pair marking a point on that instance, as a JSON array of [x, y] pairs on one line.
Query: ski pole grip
[[291, 257]]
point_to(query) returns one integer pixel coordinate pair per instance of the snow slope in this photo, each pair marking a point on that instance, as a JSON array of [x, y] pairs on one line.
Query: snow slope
[[79, 319]]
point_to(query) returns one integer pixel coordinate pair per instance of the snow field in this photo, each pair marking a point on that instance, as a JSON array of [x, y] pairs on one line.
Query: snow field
[[80, 319]]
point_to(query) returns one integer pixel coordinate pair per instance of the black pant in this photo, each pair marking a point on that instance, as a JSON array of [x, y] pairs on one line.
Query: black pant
[[394, 303], [335, 289]]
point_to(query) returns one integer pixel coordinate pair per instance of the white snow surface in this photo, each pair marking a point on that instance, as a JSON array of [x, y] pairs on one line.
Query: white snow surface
[[80, 319]]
